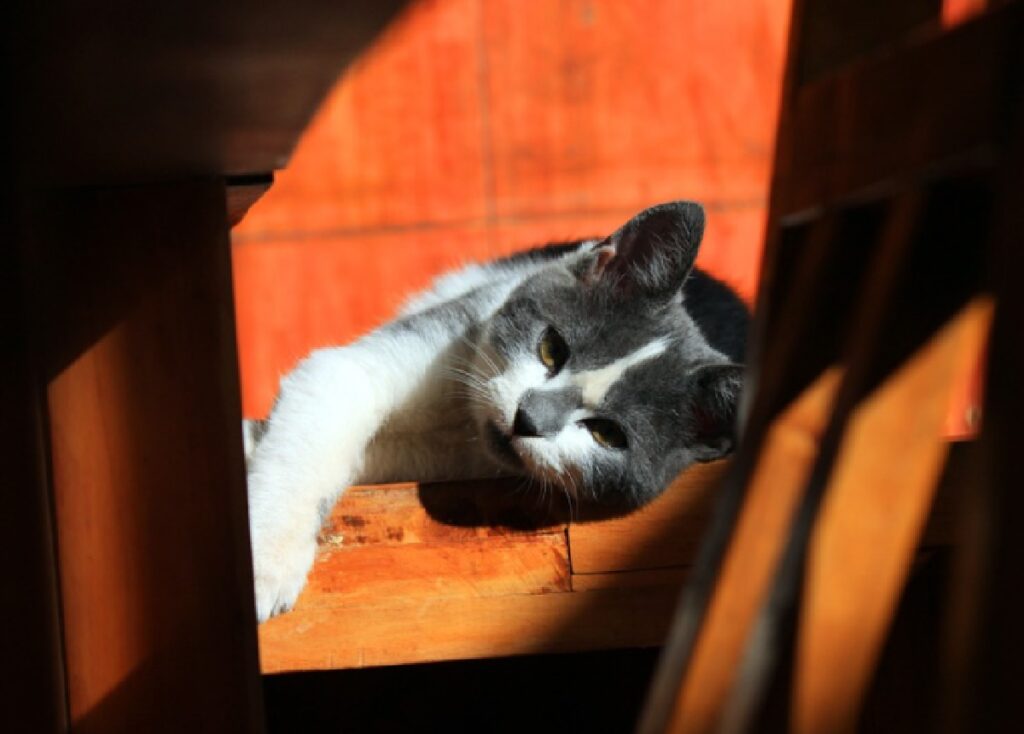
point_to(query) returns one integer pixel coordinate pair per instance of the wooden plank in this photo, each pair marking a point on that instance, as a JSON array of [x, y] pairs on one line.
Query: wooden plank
[[579, 122], [374, 575], [671, 578], [32, 687], [869, 526], [394, 514], [134, 93], [983, 681], [382, 553], [666, 532], [841, 31], [750, 564], [953, 90], [147, 467], [423, 630], [920, 235]]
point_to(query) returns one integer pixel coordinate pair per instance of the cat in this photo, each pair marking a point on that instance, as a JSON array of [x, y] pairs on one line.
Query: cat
[[601, 366]]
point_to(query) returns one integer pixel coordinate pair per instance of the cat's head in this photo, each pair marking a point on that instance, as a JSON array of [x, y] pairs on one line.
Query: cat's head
[[596, 378]]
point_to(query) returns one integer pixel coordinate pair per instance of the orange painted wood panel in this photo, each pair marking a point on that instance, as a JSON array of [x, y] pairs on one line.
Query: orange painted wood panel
[[597, 105], [293, 296], [399, 142]]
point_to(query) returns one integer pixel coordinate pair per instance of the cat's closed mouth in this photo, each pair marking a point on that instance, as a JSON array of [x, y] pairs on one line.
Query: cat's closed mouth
[[501, 445]]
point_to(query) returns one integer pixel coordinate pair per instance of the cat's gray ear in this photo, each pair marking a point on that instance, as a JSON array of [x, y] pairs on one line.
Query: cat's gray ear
[[653, 252], [713, 400]]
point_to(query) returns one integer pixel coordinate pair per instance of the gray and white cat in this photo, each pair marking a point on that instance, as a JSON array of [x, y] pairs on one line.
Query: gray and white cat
[[604, 367]]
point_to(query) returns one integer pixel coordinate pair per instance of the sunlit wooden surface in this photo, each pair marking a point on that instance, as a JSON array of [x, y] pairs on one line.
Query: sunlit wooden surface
[[393, 585]]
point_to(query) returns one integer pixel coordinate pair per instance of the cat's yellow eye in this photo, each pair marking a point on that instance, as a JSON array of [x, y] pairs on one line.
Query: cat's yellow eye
[[606, 433], [553, 351]]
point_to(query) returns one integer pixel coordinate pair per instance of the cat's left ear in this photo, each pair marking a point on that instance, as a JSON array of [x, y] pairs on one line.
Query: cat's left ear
[[653, 252], [713, 400]]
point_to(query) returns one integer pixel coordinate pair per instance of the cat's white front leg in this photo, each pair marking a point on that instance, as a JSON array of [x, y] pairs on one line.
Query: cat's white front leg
[[326, 412]]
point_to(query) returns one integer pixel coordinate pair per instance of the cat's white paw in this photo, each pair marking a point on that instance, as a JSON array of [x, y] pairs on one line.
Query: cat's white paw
[[280, 570]]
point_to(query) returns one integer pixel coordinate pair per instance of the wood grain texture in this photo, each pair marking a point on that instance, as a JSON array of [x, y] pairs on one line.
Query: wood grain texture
[[845, 137], [423, 630], [839, 158], [598, 105], [654, 577], [750, 563], [665, 533], [375, 576], [395, 514], [392, 584], [871, 522], [146, 457]]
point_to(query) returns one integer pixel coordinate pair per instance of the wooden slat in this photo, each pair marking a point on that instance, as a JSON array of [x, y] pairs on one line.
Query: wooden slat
[[664, 577], [376, 575], [840, 31], [749, 566], [395, 514], [953, 93], [665, 533], [870, 524], [421, 630], [919, 247], [984, 656]]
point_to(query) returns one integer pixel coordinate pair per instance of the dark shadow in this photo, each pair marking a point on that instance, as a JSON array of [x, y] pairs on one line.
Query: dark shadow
[[512, 503], [582, 692]]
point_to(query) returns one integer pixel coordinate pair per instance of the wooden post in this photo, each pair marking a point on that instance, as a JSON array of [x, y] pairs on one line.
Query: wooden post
[[133, 308]]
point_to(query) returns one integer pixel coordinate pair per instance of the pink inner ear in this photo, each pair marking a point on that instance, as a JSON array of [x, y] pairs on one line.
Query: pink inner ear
[[596, 264], [605, 253]]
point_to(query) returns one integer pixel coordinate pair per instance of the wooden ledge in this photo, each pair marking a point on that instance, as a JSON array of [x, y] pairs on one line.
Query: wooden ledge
[[392, 584]]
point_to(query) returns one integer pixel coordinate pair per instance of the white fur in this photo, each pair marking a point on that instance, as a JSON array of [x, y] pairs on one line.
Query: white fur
[[372, 411]]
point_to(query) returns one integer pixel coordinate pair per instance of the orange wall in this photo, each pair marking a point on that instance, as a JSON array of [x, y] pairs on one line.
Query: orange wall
[[476, 127]]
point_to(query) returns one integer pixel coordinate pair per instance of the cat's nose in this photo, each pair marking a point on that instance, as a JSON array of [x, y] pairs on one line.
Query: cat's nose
[[523, 425]]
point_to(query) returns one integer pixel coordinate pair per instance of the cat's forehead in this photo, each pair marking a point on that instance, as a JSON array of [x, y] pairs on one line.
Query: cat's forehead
[[657, 383]]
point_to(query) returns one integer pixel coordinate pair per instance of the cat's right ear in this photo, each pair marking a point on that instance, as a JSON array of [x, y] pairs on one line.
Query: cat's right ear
[[652, 253], [712, 407]]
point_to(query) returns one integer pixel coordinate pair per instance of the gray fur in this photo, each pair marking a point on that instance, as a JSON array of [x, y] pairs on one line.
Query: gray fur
[[675, 409]]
